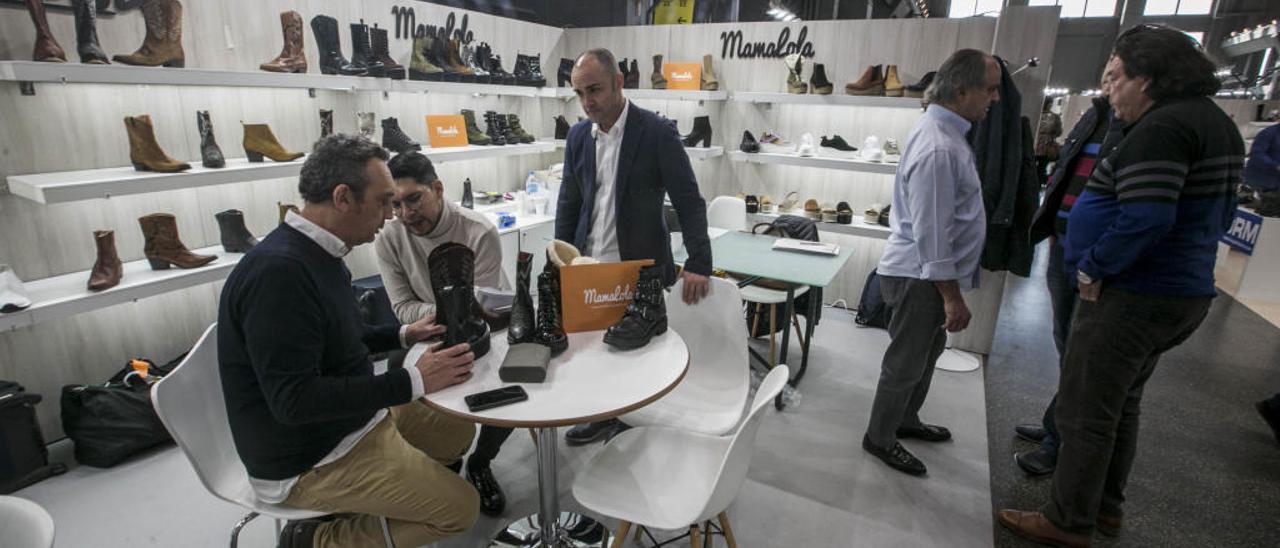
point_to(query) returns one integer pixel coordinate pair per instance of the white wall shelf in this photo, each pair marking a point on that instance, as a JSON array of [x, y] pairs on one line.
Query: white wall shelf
[[70, 186], [69, 73], [814, 161], [697, 153], [66, 295], [660, 94], [826, 100], [856, 228]]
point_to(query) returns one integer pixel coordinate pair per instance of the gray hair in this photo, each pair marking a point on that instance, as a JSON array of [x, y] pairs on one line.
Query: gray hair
[[335, 160], [964, 70], [604, 57]]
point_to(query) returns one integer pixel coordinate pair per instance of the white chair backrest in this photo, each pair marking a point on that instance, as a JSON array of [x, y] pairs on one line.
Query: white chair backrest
[[189, 402], [716, 336], [727, 212], [733, 470], [24, 524]]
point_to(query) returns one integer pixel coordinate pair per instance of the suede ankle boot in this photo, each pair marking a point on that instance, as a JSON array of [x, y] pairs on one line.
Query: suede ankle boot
[[871, 82], [259, 141], [236, 237], [163, 43], [452, 270], [892, 85], [163, 248], [709, 80], [210, 154], [144, 151], [657, 80], [107, 269], [645, 317], [87, 33], [420, 67], [293, 58], [521, 329]]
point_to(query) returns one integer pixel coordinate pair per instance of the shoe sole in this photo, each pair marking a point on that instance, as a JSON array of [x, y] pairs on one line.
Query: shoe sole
[[632, 345], [1032, 473]]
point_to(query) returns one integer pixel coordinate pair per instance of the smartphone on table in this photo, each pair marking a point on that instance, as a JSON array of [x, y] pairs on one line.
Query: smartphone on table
[[506, 395]]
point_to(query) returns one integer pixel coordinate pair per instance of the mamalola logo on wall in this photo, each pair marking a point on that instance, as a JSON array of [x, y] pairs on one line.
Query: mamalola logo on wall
[[733, 45], [619, 294]]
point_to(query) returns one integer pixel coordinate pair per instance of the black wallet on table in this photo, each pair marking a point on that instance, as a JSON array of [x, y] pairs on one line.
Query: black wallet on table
[[525, 362]]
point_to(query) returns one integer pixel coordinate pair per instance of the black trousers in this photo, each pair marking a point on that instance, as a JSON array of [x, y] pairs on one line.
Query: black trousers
[[916, 340], [1062, 297], [1113, 349]]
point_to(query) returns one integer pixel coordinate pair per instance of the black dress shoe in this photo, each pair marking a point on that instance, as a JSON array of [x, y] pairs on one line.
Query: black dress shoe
[[896, 457], [492, 500], [299, 533], [1037, 462], [583, 434], [1271, 415], [924, 432], [1033, 433]]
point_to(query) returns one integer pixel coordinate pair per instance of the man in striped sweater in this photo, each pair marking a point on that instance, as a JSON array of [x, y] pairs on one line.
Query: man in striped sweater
[[1142, 239]]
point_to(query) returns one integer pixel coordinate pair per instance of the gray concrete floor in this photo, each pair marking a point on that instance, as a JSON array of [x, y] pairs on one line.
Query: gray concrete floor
[[810, 483], [1208, 469]]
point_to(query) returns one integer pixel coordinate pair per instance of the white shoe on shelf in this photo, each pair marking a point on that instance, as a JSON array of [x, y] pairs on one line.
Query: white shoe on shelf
[[871, 151], [806, 146]]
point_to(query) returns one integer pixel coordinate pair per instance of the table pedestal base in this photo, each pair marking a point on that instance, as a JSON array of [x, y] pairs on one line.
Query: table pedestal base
[[575, 531]]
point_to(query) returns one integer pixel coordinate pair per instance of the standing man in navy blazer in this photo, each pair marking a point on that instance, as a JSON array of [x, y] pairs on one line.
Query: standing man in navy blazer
[[618, 165]]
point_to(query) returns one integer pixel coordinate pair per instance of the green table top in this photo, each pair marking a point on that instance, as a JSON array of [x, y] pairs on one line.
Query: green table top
[[753, 255]]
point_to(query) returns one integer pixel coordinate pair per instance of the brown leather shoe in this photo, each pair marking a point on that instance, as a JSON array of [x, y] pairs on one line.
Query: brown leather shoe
[[1110, 526], [871, 82], [163, 248], [293, 58], [163, 43], [1036, 527], [46, 48], [107, 270]]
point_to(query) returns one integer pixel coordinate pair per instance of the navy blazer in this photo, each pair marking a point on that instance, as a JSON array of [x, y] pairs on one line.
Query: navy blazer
[[651, 164]]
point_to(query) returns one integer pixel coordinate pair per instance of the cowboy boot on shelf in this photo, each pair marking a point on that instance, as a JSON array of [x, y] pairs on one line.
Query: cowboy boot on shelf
[[564, 73], [795, 67], [163, 44], [709, 80], [46, 48], [645, 317], [452, 270], [163, 248], [210, 154], [656, 79], [236, 237], [285, 209], [87, 33], [818, 82], [892, 85], [107, 269], [521, 329], [364, 121], [474, 135], [329, 43], [420, 67], [362, 52], [293, 58], [326, 123], [144, 152], [394, 139], [382, 53], [259, 142], [562, 128], [701, 132], [871, 82], [513, 122]]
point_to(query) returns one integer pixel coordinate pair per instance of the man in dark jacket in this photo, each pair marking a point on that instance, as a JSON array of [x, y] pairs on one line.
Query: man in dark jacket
[[1262, 172], [314, 426], [1092, 137], [1143, 240]]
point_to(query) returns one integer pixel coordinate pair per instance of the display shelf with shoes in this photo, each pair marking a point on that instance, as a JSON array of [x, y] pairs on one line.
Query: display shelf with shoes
[[695, 153], [852, 229], [67, 295], [660, 94], [847, 164], [766, 97]]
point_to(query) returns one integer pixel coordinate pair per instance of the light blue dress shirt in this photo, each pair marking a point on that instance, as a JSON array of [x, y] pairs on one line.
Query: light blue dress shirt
[[938, 221]]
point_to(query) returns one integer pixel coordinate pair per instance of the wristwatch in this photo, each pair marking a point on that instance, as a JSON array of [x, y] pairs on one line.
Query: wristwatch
[[1083, 278]]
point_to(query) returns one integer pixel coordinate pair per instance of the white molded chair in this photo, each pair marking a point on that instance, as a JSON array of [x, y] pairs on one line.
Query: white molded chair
[[189, 403], [667, 478], [711, 396], [727, 212], [25, 524]]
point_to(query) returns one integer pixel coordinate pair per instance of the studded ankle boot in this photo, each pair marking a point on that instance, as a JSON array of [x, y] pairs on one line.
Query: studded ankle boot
[[493, 128], [452, 270], [645, 317], [521, 329]]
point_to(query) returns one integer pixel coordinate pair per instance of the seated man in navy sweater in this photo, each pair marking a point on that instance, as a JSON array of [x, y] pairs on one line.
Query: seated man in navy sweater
[[313, 424], [1142, 239]]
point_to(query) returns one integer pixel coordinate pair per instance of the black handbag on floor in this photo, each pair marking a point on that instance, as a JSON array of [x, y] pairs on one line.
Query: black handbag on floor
[[110, 423], [24, 459], [872, 310]]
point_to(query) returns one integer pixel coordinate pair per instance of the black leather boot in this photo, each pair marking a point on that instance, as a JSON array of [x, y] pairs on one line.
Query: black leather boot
[[749, 143], [381, 53], [509, 134], [521, 329], [818, 83], [645, 317], [562, 128], [332, 61], [87, 33], [701, 132], [564, 72], [210, 154], [235, 236], [394, 139], [535, 69], [513, 122], [493, 129], [362, 52], [493, 63], [633, 76], [550, 332], [529, 71], [452, 268]]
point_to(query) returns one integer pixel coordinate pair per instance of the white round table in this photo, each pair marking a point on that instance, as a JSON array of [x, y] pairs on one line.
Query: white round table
[[589, 382]]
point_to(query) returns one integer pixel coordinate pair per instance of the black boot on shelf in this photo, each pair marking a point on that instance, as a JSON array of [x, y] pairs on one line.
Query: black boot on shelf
[[332, 61], [504, 126], [844, 213], [394, 139], [564, 72], [562, 128], [493, 130], [917, 89], [514, 122], [818, 83], [550, 330], [645, 317], [381, 53], [633, 76], [471, 61], [521, 329], [701, 132], [493, 63], [753, 203], [749, 143], [362, 52], [452, 269], [210, 154], [535, 69], [236, 237]]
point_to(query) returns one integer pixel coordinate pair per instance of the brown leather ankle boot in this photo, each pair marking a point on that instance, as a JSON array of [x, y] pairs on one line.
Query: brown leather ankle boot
[[293, 58], [107, 270], [46, 48], [144, 152], [163, 44], [259, 142], [163, 247], [871, 82]]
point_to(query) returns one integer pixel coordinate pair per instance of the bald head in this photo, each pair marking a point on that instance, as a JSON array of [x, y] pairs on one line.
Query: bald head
[[598, 85]]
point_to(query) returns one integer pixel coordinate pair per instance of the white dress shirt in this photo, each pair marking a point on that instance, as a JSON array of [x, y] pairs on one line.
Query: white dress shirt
[[602, 240], [276, 491]]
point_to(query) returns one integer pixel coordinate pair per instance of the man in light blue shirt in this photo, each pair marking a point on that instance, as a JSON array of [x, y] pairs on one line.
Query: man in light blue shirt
[[939, 226]]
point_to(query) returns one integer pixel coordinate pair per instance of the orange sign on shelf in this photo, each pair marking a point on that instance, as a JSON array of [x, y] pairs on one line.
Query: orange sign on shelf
[[447, 130], [683, 75], [594, 296]]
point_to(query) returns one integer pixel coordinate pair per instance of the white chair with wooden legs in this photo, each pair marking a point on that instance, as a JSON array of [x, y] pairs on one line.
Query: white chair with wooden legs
[[668, 478], [714, 390], [190, 404]]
